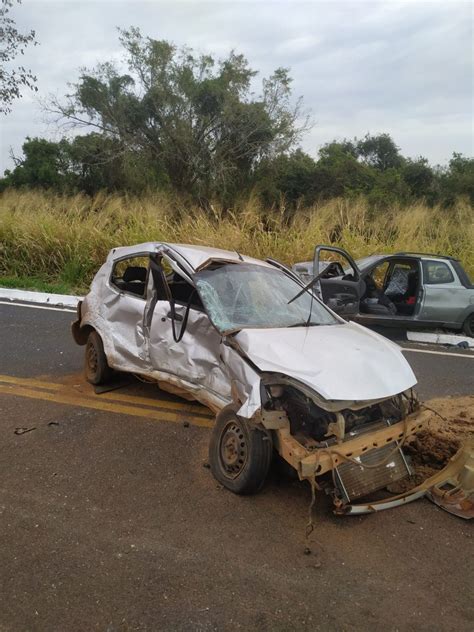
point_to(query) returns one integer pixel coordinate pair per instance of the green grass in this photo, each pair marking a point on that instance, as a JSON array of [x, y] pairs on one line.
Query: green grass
[[53, 241], [40, 285]]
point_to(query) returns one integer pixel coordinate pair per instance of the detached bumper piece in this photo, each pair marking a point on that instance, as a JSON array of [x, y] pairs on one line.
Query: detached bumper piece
[[451, 489], [355, 481]]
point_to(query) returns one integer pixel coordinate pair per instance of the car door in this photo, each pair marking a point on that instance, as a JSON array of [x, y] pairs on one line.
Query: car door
[[124, 310], [340, 284], [443, 293], [181, 340], [393, 292]]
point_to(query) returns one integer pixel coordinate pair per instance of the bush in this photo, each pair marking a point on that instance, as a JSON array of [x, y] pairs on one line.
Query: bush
[[64, 239]]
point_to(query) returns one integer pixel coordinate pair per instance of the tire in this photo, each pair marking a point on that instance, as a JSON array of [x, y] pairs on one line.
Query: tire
[[468, 326], [95, 366], [239, 455]]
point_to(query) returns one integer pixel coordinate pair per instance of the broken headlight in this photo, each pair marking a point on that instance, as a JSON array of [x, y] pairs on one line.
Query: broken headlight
[[306, 418]]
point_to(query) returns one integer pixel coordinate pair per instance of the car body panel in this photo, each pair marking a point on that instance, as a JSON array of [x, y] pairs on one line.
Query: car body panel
[[339, 369], [438, 304], [342, 293], [137, 337], [341, 362], [195, 358], [197, 257], [445, 301]]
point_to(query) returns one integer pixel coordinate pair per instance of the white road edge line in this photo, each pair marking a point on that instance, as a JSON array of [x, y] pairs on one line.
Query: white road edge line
[[443, 353], [72, 311], [42, 298], [53, 309]]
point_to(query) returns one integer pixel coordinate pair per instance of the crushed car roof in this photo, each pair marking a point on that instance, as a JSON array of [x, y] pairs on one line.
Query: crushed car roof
[[198, 257]]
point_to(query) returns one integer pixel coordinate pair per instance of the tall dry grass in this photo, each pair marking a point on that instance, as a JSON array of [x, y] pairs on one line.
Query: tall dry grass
[[66, 238]]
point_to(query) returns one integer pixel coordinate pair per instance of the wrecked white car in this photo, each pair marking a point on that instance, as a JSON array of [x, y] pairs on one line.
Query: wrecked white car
[[281, 370]]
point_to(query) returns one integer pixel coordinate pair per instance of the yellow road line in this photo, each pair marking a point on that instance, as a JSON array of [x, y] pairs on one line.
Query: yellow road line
[[190, 408], [10, 379], [96, 404]]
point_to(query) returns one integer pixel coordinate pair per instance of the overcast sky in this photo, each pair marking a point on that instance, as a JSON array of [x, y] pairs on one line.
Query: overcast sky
[[405, 68]]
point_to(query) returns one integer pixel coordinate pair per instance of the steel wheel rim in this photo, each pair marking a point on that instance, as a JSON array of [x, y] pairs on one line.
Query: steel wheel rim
[[233, 449]]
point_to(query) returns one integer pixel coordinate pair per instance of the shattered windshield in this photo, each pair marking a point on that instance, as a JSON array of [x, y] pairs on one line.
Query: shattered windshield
[[237, 296]]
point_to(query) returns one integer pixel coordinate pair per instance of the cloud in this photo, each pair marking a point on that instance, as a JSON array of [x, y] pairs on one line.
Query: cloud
[[400, 67]]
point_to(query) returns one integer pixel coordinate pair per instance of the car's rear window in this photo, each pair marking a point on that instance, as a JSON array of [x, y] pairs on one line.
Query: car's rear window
[[436, 272]]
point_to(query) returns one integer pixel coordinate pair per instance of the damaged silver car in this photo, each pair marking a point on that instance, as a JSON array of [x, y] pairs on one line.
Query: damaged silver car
[[280, 369]]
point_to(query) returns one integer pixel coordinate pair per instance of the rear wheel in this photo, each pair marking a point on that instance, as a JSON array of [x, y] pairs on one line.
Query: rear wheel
[[239, 455], [96, 368], [468, 326]]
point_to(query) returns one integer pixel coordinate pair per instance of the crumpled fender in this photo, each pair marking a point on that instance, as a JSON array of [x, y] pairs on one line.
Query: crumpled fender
[[244, 380]]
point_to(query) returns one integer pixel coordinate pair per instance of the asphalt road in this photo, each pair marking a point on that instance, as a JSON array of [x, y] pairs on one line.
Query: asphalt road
[[38, 342], [110, 522]]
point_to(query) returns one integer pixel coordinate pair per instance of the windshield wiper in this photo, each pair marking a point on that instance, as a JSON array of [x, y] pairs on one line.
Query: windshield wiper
[[304, 324], [306, 288]]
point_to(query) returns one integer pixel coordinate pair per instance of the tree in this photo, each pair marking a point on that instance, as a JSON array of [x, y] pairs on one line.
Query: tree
[[287, 178], [331, 151], [100, 163], [13, 43], [193, 117], [88, 163], [45, 164], [458, 179], [379, 152], [339, 173], [419, 178], [388, 188]]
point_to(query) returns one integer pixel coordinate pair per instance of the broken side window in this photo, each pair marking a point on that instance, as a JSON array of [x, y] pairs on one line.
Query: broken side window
[[171, 285], [130, 275]]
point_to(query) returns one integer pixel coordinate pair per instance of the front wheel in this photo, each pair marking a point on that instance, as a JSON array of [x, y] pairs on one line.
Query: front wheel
[[239, 455], [96, 368], [468, 326]]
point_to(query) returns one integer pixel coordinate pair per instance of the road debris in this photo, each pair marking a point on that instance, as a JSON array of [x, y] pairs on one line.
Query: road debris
[[21, 431]]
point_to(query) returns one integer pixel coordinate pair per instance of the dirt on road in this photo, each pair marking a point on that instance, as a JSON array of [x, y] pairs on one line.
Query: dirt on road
[[450, 424]]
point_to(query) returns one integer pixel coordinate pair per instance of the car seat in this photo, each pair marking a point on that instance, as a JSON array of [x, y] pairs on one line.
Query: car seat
[[406, 306], [375, 301], [134, 279]]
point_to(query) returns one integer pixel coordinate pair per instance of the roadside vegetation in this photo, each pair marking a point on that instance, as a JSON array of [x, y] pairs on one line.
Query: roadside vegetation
[[210, 131], [173, 145], [60, 241]]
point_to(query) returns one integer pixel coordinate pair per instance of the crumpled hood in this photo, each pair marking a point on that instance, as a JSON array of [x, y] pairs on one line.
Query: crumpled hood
[[340, 362]]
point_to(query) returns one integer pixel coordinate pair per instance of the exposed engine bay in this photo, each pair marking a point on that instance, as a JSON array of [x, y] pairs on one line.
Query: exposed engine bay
[[314, 426], [327, 432]]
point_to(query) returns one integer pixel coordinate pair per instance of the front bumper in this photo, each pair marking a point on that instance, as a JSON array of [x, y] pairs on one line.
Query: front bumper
[[452, 489], [323, 460]]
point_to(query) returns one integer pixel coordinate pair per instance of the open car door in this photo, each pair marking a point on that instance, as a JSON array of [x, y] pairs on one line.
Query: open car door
[[340, 283], [183, 345]]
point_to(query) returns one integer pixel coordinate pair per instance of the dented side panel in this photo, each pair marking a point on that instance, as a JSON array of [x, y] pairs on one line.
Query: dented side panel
[[196, 357]]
